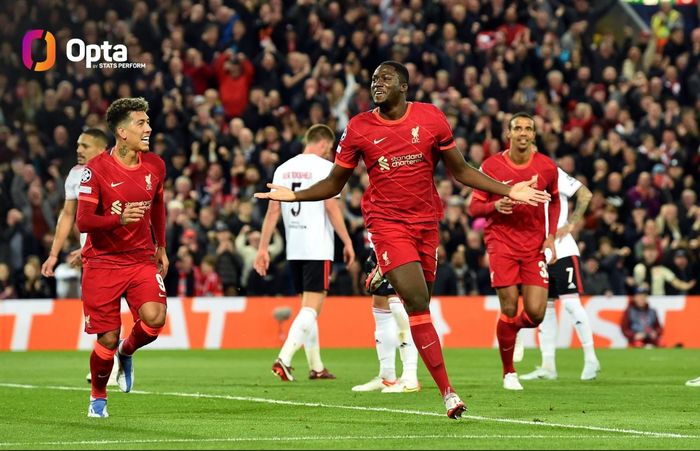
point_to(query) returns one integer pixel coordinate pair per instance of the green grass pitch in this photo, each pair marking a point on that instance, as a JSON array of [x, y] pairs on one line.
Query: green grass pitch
[[230, 399]]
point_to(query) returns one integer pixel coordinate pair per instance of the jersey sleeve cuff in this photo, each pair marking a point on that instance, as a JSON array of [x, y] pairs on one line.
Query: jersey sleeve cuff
[[345, 164], [89, 199]]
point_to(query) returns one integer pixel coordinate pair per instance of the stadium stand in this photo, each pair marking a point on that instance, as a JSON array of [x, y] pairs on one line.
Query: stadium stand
[[234, 85]]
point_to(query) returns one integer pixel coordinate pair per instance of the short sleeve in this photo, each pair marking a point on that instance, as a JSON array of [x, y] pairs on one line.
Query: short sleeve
[[89, 189], [72, 184], [443, 135], [348, 153], [567, 184], [480, 194]]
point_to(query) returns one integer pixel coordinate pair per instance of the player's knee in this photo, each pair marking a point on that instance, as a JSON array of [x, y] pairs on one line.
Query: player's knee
[[154, 321], [536, 317], [509, 310], [416, 303], [109, 340]]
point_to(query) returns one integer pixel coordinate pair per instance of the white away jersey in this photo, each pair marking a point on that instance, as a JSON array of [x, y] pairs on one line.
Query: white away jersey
[[308, 229], [72, 187], [568, 186]]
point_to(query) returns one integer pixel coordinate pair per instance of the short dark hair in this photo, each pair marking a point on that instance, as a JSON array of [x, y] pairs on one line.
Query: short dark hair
[[98, 135], [517, 115], [317, 133], [120, 109], [399, 68]]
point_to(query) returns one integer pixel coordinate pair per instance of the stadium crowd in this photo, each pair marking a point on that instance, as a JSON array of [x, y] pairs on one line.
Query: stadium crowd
[[233, 86]]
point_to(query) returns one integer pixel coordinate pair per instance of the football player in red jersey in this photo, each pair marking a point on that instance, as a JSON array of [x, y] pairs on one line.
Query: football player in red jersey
[[120, 206], [399, 142], [517, 237]]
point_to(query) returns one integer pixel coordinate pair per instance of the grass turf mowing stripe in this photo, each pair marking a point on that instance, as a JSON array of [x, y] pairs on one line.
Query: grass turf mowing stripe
[[314, 438], [369, 409]]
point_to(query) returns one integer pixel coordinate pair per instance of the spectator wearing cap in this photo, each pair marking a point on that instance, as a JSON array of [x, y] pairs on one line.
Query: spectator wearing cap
[[650, 273], [640, 321], [684, 270]]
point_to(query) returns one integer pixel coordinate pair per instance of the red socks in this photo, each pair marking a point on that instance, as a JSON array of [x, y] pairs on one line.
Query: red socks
[[506, 331], [428, 344], [140, 336], [101, 362]]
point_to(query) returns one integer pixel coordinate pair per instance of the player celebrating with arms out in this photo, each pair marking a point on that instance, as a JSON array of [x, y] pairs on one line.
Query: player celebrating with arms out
[[400, 142], [121, 208], [516, 239]]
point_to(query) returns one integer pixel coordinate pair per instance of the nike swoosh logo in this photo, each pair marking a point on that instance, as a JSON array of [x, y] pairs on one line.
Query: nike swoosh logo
[[508, 349], [377, 141], [116, 184], [162, 295], [428, 345], [507, 181], [102, 377]]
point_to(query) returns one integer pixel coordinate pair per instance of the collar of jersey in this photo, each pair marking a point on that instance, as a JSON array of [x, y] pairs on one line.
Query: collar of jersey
[[396, 121], [119, 162]]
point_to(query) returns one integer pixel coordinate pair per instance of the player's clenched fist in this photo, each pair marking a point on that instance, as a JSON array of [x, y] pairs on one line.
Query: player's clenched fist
[[132, 213]]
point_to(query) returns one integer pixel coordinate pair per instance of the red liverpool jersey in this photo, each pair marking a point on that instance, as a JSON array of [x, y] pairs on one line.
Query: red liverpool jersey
[[400, 157], [112, 186], [523, 231]]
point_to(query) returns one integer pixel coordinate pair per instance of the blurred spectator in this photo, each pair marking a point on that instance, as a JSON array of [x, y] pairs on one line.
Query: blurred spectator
[[247, 243], [595, 282], [207, 281], [640, 321], [229, 264], [7, 289], [653, 276], [31, 285]]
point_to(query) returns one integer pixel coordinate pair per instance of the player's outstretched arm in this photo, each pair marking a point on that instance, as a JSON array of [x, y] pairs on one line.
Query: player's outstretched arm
[[469, 176], [324, 189], [525, 192]]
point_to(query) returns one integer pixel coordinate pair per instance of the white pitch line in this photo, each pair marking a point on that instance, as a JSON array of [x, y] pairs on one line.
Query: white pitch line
[[371, 409], [309, 438]]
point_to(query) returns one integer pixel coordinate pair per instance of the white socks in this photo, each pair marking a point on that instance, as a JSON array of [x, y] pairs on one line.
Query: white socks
[[299, 331], [385, 338], [572, 304], [313, 348], [407, 349], [548, 337]]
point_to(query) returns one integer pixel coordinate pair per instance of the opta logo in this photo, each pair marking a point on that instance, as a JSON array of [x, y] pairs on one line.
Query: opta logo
[[29, 37]]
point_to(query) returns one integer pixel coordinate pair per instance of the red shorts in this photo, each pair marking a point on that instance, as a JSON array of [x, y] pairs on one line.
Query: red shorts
[[507, 270], [104, 287], [397, 244]]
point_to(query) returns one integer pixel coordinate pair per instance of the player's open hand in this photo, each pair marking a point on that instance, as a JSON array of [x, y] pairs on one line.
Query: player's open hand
[[279, 193], [131, 214], [262, 262], [504, 206], [525, 192]]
